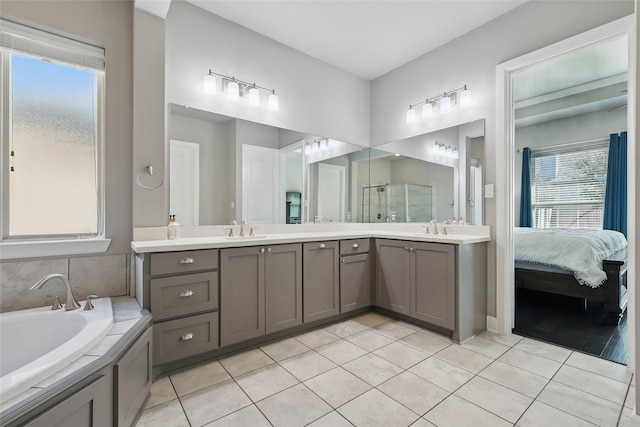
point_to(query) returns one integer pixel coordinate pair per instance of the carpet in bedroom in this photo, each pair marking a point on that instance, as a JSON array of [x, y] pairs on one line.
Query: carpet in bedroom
[[565, 321]]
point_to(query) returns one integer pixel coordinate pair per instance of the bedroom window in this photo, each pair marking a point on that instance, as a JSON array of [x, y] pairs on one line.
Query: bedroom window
[[52, 133], [568, 185]]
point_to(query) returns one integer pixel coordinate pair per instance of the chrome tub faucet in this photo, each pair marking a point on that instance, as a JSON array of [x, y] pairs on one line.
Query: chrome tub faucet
[[72, 302]]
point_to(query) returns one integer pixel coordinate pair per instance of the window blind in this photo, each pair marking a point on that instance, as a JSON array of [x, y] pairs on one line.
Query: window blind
[[35, 42], [568, 186]]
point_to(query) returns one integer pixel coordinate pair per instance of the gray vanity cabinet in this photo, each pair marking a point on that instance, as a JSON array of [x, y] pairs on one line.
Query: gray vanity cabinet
[[260, 291], [417, 279], [355, 275], [321, 281]]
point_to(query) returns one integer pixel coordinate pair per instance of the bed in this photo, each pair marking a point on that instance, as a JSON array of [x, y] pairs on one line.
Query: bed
[[589, 264]]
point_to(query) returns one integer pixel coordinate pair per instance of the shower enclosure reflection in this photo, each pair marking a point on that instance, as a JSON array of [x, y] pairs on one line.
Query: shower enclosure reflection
[[398, 203]]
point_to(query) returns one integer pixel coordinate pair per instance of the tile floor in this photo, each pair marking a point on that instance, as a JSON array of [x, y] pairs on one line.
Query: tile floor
[[375, 371]]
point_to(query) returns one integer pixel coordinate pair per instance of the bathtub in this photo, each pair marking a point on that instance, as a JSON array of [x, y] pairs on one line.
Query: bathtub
[[36, 343]]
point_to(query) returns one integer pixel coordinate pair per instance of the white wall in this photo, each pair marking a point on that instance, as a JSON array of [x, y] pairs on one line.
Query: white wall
[[472, 59]]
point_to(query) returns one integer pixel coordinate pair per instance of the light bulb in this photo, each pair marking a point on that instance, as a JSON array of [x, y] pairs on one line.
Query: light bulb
[[427, 110], [449, 152], [411, 116], [315, 147], [436, 148], [445, 104], [331, 143], [273, 102], [254, 97], [465, 97], [210, 84], [307, 149], [233, 91], [323, 144], [456, 155]]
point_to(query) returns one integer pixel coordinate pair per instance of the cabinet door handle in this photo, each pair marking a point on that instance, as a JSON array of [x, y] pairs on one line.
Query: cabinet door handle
[[186, 260], [406, 248], [186, 337], [355, 246], [322, 246], [411, 250], [343, 260], [269, 250], [185, 294], [261, 250]]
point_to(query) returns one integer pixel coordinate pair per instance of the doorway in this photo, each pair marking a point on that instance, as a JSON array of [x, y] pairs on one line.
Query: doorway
[[506, 155]]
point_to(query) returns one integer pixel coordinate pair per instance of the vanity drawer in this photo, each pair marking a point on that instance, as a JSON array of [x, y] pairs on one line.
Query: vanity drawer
[[183, 295], [176, 339], [183, 261], [354, 246]]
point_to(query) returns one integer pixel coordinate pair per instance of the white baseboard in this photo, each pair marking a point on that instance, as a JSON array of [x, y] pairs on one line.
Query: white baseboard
[[492, 324]]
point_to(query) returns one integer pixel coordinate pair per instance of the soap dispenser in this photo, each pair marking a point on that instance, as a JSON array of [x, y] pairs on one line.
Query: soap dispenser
[[173, 229]]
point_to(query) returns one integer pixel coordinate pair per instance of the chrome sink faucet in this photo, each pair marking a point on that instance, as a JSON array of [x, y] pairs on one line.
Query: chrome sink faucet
[[242, 226], [434, 222], [72, 302]]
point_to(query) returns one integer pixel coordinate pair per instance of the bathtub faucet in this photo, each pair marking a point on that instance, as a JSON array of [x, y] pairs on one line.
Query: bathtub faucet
[[72, 302]]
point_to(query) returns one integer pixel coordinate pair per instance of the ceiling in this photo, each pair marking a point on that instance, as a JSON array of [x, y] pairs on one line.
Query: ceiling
[[365, 38]]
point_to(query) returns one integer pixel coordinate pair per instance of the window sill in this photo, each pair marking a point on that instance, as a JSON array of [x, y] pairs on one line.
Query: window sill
[[45, 248]]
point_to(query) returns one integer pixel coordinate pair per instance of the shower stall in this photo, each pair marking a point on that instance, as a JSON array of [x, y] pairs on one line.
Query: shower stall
[[398, 203]]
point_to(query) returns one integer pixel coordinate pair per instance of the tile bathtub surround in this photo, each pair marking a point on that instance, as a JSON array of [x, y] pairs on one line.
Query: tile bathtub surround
[[105, 276], [375, 371]]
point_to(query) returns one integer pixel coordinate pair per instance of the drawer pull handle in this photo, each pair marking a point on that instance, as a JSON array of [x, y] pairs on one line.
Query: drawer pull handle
[[269, 250], [322, 246], [261, 250], [406, 249], [186, 260], [185, 294], [355, 246], [344, 260], [187, 336]]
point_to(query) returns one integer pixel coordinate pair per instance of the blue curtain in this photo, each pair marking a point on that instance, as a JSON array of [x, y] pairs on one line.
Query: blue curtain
[[615, 199], [526, 211]]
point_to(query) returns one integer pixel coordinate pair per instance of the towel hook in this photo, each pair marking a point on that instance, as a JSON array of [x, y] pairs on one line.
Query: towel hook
[[148, 170]]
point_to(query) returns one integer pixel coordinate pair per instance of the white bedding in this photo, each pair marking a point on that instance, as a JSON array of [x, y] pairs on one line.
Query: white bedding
[[577, 250]]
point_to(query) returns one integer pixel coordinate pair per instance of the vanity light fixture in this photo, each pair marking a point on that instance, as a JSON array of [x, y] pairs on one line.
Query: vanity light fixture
[[318, 145], [442, 103], [237, 89]]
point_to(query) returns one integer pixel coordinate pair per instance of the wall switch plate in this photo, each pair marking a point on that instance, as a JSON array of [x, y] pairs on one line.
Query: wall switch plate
[[488, 191]]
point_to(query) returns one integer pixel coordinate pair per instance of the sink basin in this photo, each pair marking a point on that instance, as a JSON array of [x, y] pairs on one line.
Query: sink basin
[[245, 237]]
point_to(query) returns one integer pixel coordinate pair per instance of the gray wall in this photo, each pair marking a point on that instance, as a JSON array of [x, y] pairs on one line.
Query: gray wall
[[471, 59], [110, 24]]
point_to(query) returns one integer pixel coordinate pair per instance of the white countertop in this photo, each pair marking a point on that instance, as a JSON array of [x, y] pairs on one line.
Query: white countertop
[[216, 242]]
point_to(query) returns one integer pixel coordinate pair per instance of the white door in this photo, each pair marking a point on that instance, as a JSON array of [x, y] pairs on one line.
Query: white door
[[331, 192], [184, 179], [475, 193], [260, 184]]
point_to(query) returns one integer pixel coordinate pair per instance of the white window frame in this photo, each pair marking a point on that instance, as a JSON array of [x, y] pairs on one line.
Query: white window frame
[[54, 245]]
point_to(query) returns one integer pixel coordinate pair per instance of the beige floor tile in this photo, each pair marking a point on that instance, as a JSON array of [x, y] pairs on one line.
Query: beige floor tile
[[344, 329], [407, 325], [422, 423], [584, 405], [629, 419], [337, 386], [317, 338], [199, 377], [393, 330], [531, 362], [401, 354], [508, 340], [332, 419], [307, 365], [265, 381], [499, 400], [374, 409], [249, 416], [161, 392], [543, 349], [441, 373], [293, 407], [284, 349], [595, 384], [369, 340], [486, 347], [415, 393], [371, 320], [341, 351], [463, 358], [630, 401], [540, 414], [599, 366], [244, 362], [427, 343], [517, 379], [213, 402], [372, 369], [457, 412], [166, 414]]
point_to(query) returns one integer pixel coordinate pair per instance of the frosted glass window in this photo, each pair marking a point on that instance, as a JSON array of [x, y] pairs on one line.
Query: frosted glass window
[[54, 177]]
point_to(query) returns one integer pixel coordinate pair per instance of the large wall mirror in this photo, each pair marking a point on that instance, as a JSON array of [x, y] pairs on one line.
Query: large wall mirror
[[438, 175], [223, 169]]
